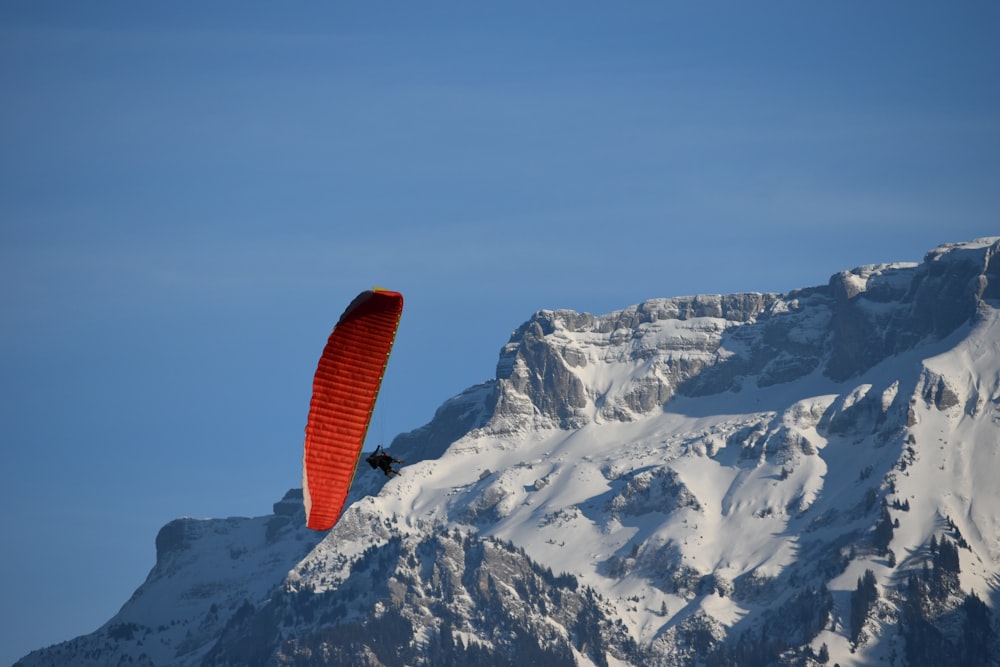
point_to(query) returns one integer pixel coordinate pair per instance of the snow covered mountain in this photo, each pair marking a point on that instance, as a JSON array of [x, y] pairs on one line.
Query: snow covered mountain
[[749, 479]]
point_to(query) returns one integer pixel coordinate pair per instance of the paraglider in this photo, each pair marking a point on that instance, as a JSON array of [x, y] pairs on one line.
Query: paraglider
[[381, 459], [345, 387]]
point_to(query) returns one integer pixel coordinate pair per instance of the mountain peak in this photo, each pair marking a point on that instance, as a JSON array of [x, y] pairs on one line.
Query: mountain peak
[[746, 479]]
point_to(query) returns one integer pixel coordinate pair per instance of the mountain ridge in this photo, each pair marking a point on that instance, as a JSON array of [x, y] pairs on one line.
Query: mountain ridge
[[697, 480]]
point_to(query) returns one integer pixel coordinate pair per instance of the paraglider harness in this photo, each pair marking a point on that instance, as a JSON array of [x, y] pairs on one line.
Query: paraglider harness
[[380, 459]]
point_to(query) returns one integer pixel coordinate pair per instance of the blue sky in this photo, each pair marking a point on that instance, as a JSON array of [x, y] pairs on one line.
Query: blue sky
[[191, 193]]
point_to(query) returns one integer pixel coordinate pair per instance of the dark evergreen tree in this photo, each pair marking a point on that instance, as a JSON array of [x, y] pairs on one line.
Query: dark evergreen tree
[[947, 556], [823, 656], [862, 601], [946, 568], [924, 643], [883, 531], [978, 635]]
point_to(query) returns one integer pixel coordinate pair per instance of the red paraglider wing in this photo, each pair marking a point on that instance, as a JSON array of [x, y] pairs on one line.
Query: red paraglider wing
[[345, 387]]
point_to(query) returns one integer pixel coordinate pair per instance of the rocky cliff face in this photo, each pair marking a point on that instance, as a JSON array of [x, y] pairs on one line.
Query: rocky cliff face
[[205, 570], [748, 479], [564, 369]]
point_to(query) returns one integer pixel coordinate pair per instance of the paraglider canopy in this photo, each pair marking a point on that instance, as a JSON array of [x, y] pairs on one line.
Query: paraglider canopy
[[345, 387]]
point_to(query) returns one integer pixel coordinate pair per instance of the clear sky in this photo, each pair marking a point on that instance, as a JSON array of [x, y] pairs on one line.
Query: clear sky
[[191, 193]]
